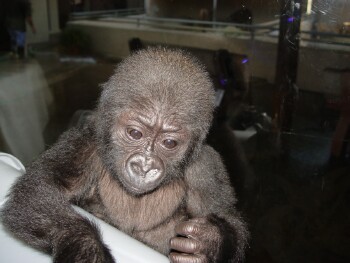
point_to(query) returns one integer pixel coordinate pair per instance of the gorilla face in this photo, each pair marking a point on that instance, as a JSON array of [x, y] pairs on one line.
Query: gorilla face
[[152, 144]]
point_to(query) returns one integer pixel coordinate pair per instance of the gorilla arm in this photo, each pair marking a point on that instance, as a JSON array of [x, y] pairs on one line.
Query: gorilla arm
[[38, 208], [215, 232]]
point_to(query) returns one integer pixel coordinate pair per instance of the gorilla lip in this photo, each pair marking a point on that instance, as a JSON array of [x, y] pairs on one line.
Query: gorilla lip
[[136, 190], [146, 177], [151, 173]]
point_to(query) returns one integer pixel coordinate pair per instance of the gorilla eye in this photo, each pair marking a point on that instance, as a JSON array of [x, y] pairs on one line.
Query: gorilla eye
[[135, 134], [170, 144]]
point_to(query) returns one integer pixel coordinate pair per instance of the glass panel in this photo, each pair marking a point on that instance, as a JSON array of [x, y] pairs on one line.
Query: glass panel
[[281, 71]]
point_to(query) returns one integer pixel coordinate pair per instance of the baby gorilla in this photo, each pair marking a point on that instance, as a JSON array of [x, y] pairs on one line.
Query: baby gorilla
[[140, 164]]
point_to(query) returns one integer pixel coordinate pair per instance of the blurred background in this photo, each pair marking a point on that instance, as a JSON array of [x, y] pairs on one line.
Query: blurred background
[[281, 71]]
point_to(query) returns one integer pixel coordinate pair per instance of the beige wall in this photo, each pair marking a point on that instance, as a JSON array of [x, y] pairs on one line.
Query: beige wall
[[135, 3], [177, 9], [339, 10], [111, 39], [53, 9], [45, 18], [262, 10], [331, 15]]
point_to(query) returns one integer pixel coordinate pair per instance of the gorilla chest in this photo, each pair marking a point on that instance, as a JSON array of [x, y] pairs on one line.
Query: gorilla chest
[[138, 214]]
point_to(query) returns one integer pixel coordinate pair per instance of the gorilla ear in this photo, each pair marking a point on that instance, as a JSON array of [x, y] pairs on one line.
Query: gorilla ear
[[195, 147]]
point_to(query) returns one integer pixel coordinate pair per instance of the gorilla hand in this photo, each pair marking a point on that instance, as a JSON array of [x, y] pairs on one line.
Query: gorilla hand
[[83, 246], [203, 240]]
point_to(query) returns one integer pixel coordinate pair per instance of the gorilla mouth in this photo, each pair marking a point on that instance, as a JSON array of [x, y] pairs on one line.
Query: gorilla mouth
[[150, 175], [141, 183], [140, 187]]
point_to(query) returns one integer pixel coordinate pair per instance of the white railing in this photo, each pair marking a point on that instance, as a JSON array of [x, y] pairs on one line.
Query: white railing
[[269, 29], [106, 13]]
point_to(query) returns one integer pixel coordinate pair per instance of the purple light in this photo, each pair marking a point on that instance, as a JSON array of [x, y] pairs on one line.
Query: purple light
[[291, 19], [223, 82], [245, 60]]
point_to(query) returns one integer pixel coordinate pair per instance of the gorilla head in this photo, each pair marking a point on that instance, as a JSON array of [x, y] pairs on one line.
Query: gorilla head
[[153, 116]]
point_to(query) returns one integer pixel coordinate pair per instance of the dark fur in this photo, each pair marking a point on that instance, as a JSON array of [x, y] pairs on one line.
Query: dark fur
[[84, 167]]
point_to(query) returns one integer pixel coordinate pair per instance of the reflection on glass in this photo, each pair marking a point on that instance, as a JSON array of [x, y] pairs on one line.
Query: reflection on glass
[[281, 71]]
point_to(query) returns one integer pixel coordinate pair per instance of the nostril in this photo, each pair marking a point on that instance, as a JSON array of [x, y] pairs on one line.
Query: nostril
[[141, 168], [136, 168]]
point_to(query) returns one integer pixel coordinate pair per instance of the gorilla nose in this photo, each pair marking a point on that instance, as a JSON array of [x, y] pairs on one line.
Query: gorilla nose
[[140, 169], [136, 168], [145, 166]]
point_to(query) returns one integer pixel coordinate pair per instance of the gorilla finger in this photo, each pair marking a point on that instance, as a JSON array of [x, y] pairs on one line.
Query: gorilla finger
[[188, 228], [186, 258], [186, 245]]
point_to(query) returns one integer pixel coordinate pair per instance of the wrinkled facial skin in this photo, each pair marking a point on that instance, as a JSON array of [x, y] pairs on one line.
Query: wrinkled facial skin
[[150, 144]]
